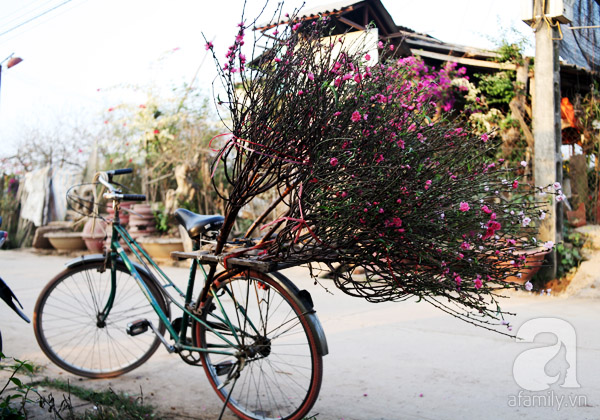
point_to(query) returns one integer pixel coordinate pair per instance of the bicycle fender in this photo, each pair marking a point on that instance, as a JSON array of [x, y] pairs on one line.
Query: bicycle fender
[[94, 258], [303, 299]]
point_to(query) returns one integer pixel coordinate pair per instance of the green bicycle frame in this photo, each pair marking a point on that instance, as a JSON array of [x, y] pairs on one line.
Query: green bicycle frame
[[116, 250]]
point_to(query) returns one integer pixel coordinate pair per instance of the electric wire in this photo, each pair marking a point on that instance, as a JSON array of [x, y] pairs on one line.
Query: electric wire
[[35, 17], [24, 12]]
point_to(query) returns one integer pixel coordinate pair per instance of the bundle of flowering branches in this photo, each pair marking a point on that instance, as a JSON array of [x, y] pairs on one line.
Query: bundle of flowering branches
[[372, 173]]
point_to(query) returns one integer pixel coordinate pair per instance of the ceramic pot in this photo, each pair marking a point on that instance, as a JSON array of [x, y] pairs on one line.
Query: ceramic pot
[[66, 241], [94, 234], [160, 248]]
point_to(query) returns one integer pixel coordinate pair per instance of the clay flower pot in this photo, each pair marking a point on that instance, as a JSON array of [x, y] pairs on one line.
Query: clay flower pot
[[66, 241], [160, 248], [533, 263], [141, 221], [94, 234]]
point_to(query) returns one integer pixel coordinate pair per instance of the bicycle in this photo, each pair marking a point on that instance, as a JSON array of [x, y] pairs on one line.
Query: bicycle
[[255, 334]]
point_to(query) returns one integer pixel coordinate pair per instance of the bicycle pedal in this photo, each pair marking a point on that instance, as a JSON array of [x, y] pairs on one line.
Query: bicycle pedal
[[137, 327]]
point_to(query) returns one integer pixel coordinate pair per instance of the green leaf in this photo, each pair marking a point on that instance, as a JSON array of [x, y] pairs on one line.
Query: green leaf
[[17, 382]]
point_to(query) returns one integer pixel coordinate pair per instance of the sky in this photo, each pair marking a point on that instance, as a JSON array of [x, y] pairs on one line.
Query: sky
[[79, 54]]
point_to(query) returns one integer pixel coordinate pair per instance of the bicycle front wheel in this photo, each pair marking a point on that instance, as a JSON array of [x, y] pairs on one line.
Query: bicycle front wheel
[[70, 332], [273, 369]]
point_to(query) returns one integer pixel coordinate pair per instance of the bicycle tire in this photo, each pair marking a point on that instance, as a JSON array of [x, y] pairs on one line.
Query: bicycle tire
[[283, 368], [66, 326]]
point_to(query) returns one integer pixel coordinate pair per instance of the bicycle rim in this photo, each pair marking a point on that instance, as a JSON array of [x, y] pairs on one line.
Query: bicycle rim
[[66, 323], [276, 370]]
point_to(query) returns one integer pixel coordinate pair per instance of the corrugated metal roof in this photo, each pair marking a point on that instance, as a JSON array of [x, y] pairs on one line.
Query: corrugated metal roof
[[337, 6], [340, 7]]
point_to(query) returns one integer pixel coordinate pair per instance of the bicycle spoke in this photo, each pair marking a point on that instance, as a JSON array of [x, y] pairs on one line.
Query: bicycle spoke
[[279, 360], [71, 334]]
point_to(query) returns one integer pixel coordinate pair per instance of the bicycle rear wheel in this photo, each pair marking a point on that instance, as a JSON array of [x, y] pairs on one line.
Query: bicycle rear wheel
[[275, 369], [68, 330]]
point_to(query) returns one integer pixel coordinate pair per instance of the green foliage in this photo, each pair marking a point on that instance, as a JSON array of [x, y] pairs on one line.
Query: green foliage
[[497, 87], [164, 220], [9, 208], [569, 251], [511, 53], [158, 135], [107, 405], [12, 405]]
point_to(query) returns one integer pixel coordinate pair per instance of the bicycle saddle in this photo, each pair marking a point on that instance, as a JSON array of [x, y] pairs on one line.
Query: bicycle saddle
[[198, 224]]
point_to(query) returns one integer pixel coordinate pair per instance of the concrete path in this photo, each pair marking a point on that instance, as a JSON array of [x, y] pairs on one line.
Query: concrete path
[[387, 361]]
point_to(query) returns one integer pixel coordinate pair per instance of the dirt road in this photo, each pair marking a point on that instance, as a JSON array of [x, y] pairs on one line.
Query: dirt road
[[386, 361]]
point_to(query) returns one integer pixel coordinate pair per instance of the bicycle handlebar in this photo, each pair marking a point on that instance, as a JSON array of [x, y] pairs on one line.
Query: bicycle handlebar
[[119, 171], [134, 197], [115, 193]]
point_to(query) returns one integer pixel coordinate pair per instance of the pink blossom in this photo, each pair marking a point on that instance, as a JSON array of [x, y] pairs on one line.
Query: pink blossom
[[528, 286], [333, 161], [484, 137], [296, 26], [310, 76], [367, 57], [465, 246], [457, 279], [486, 209], [380, 159], [209, 45], [356, 116], [515, 184], [395, 222], [300, 92], [427, 184], [464, 206], [380, 44]]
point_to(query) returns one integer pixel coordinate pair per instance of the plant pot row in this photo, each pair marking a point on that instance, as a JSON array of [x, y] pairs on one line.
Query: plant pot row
[[96, 233]]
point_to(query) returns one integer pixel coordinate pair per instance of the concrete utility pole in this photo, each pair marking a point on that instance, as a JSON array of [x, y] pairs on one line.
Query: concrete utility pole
[[546, 123]]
